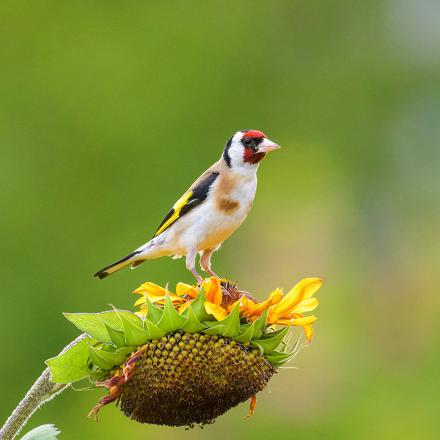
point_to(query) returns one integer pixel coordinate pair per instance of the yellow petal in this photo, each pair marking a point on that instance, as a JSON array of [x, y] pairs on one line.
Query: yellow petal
[[275, 296], [303, 290], [305, 320], [307, 305], [140, 301], [311, 287], [217, 311], [213, 290], [232, 305], [252, 310], [308, 330], [186, 289], [161, 299], [247, 306], [184, 306], [272, 317], [152, 289]]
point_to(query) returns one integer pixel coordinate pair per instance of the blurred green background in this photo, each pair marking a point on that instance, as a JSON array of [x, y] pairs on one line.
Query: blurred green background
[[109, 110]]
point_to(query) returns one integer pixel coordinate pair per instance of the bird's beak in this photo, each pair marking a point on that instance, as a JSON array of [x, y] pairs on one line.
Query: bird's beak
[[267, 145]]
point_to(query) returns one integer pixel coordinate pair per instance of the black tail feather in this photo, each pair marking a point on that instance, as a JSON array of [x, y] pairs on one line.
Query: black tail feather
[[105, 272]]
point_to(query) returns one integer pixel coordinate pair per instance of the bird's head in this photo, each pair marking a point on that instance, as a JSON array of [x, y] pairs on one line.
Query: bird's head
[[247, 148]]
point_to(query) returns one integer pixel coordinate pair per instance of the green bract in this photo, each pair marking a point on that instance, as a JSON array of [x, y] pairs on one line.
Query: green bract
[[114, 335]]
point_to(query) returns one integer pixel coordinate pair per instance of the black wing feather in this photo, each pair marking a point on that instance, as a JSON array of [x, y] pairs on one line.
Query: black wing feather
[[199, 194]]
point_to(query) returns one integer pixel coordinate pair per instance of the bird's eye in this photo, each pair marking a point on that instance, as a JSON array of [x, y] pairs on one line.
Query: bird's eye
[[247, 142]]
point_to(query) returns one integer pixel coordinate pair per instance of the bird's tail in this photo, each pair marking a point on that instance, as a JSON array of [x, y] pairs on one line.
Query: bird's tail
[[126, 261]]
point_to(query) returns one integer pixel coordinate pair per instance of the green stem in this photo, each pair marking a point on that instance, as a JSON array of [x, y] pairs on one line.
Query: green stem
[[41, 392]]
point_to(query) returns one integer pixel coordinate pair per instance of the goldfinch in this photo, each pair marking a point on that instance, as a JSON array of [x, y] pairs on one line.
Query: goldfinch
[[210, 211]]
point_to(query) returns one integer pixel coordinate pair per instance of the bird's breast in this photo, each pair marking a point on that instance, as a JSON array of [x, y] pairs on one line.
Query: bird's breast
[[234, 194]]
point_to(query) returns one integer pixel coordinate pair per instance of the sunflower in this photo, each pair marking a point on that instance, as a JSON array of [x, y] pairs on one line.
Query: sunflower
[[186, 357]]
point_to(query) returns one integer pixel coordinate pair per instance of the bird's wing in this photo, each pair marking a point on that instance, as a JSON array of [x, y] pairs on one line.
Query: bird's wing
[[195, 196]]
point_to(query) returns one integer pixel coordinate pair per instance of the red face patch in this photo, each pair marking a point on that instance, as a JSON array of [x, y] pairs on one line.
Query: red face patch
[[250, 157], [254, 134]]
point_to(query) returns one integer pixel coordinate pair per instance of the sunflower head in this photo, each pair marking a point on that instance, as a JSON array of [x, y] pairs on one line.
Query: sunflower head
[[186, 357], [183, 377]]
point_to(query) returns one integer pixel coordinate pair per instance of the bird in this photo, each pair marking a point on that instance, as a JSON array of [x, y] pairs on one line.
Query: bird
[[210, 211]]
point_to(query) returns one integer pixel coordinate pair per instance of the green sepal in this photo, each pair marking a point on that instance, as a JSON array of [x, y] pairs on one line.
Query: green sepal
[[277, 358], [214, 330], [72, 365], [192, 324], [105, 360], [198, 306], [126, 350], [98, 375], [134, 332], [231, 323], [117, 336], [260, 325], [154, 332], [171, 319], [154, 313], [270, 342], [246, 332]]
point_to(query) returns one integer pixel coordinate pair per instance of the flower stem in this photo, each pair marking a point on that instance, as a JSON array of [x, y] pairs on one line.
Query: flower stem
[[41, 392]]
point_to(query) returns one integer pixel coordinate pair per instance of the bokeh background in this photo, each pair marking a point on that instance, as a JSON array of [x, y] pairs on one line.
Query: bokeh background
[[109, 110]]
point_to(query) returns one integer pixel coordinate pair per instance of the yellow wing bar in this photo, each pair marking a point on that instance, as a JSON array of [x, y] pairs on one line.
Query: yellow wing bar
[[174, 214]]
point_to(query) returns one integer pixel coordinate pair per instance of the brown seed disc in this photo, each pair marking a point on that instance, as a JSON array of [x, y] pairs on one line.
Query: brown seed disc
[[186, 379]]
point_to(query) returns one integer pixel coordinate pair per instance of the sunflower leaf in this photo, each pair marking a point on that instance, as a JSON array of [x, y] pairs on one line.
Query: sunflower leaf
[[94, 324], [192, 324], [43, 432], [270, 343], [171, 320], [105, 359], [246, 332], [90, 323], [70, 366]]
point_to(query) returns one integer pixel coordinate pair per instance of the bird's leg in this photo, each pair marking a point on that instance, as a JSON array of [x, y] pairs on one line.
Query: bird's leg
[[191, 264], [205, 262]]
